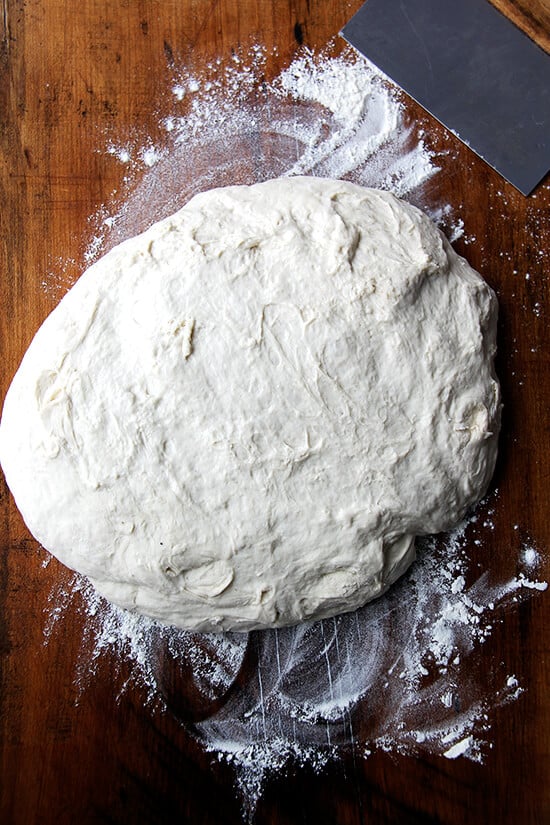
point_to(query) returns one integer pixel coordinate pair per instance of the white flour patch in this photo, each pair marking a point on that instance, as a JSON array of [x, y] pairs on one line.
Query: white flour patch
[[406, 674], [398, 675], [325, 115], [530, 557], [150, 155], [121, 153]]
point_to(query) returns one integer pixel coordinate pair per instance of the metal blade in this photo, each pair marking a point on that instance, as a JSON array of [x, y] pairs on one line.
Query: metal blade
[[471, 68]]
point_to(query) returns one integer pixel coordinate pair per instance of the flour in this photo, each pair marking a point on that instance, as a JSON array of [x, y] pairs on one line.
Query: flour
[[530, 557], [325, 115], [121, 153], [314, 692], [317, 692]]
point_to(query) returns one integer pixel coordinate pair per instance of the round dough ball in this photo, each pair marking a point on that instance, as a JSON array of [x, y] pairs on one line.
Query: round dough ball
[[242, 417]]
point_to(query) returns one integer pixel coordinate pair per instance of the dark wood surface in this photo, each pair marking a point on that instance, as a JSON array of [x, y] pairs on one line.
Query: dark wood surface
[[532, 17], [73, 71]]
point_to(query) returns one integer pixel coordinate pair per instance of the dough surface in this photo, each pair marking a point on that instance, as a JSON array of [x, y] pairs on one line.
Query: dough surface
[[242, 417]]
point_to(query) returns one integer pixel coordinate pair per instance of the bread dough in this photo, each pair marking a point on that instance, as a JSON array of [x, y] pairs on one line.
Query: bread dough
[[242, 417]]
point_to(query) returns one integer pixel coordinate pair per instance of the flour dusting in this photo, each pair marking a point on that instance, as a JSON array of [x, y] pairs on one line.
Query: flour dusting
[[402, 674], [325, 115], [398, 675]]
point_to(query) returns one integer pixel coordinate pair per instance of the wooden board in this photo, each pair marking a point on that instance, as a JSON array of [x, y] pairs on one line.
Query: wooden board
[[532, 17], [72, 77]]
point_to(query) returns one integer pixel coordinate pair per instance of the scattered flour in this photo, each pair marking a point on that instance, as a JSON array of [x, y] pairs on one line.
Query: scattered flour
[[325, 115], [530, 557], [400, 675], [121, 153]]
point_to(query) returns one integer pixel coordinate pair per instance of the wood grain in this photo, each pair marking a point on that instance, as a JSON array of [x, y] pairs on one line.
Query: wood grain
[[531, 16], [72, 76]]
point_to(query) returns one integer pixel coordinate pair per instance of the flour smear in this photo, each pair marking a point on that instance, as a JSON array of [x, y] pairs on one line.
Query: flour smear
[[405, 674]]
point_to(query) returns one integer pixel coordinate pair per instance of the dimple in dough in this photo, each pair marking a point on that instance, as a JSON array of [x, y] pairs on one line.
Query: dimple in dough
[[243, 417]]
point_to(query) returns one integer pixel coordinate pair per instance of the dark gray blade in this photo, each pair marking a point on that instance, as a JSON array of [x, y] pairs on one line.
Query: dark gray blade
[[472, 69]]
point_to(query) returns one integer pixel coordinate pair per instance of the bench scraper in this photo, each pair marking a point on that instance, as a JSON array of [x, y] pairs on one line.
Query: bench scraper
[[471, 68]]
